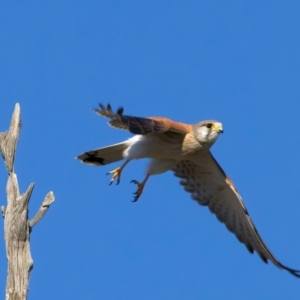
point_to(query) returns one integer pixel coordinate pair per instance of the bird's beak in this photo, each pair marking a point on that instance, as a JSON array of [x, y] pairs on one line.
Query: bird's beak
[[218, 128]]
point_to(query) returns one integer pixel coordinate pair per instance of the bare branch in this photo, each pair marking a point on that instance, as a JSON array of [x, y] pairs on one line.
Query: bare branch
[[24, 198], [49, 199], [12, 189], [9, 140]]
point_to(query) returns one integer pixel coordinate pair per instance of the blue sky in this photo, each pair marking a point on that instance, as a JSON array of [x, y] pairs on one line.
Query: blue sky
[[232, 61]]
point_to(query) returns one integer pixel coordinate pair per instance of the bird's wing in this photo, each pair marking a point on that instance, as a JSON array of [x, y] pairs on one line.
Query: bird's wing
[[138, 125], [210, 186]]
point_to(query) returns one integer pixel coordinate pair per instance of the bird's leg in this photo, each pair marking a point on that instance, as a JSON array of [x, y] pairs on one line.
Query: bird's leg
[[141, 186], [116, 173]]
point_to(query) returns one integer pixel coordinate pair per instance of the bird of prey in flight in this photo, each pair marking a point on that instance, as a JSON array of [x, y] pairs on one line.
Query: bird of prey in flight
[[185, 150]]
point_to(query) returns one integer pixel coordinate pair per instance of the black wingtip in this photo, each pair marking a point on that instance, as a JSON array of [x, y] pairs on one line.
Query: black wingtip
[[108, 107], [101, 106], [101, 109], [120, 111], [296, 273]]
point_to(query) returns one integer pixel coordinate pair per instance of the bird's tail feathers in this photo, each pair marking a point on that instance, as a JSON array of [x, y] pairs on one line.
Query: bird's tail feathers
[[105, 155]]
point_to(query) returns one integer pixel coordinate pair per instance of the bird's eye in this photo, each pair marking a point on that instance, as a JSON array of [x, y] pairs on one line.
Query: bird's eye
[[209, 125]]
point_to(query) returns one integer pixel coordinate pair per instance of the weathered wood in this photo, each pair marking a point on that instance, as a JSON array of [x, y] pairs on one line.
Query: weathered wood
[[43, 209], [16, 225]]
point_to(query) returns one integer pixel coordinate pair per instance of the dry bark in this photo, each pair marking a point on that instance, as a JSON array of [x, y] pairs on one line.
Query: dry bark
[[17, 227]]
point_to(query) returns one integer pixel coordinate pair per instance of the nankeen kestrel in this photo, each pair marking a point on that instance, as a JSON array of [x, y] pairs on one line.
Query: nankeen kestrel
[[185, 150]]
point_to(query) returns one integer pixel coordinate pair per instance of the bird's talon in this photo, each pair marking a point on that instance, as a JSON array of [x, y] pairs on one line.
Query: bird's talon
[[135, 182], [139, 191], [115, 174]]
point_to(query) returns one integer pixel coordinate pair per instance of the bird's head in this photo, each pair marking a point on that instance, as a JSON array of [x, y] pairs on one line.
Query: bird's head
[[207, 132]]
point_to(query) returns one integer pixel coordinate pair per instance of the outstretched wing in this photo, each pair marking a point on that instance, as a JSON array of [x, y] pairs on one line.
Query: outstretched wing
[[210, 186], [139, 125]]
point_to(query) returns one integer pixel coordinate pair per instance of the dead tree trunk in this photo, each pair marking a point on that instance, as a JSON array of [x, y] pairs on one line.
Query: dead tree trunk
[[17, 227]]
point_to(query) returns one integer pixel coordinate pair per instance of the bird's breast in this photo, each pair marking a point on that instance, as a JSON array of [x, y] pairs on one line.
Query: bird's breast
[[164, 146]]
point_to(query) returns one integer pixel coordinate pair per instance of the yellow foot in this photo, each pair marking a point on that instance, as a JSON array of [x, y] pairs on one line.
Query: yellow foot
[[116, 173], [139, 191]]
